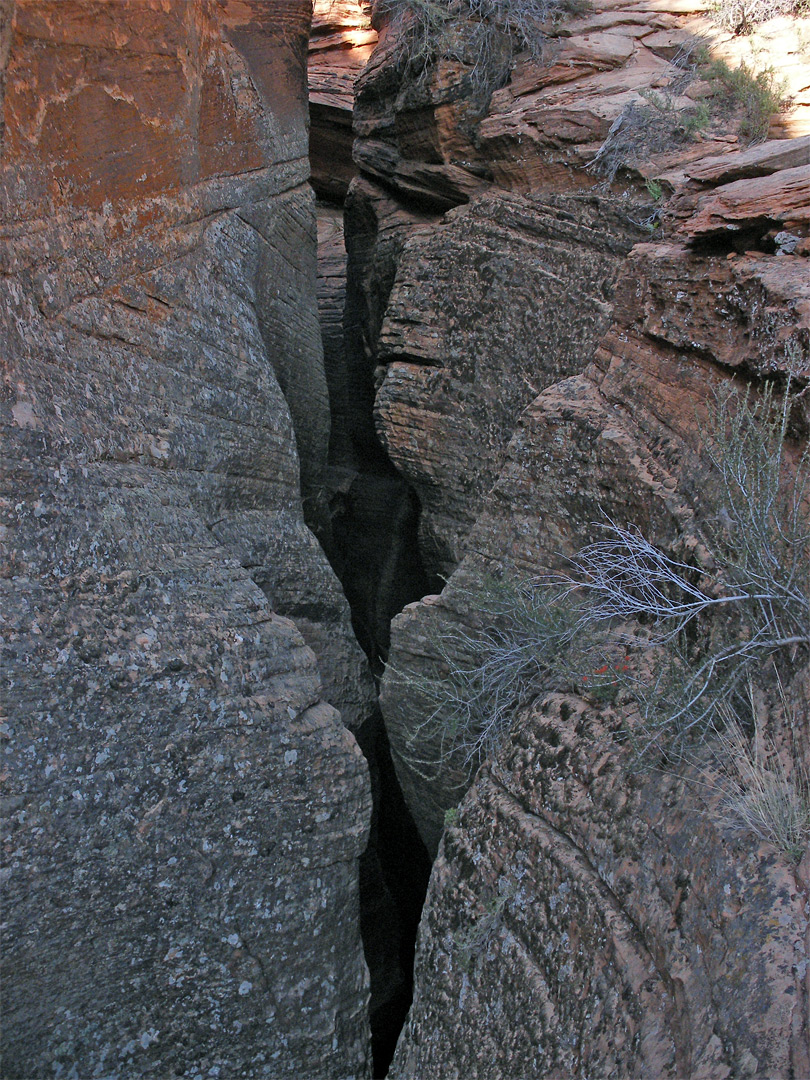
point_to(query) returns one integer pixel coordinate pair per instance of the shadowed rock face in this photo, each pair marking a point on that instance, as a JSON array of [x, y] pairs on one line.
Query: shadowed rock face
[[341, 42], [583, 918], [184, 809]]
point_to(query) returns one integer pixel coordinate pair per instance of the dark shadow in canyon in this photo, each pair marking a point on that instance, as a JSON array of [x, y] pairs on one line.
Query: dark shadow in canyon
[[394, 874], [371, 541]]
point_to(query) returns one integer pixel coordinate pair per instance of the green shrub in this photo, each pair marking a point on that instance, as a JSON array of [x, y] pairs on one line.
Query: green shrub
[[759, 96]]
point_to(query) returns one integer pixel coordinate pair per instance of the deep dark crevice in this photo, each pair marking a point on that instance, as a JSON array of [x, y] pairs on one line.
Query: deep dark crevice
[[371, 540], [375, 554], [372, 544], [367, 523], [394, 873]]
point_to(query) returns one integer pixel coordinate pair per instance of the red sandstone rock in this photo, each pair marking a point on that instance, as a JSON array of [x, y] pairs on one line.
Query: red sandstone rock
[[561, 837], [185, 811], [341, 42], [760, 160], [782, 197]]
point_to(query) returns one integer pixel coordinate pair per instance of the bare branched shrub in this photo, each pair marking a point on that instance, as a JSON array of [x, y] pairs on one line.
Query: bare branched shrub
[[483, 34], [710, 628], [651, 125], [683, 638], [521, 642], [742, 16]]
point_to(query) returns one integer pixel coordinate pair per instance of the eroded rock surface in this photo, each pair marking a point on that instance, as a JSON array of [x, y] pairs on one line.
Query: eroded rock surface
[[185, 810], [483, 315], [584, 918], [622, 440]]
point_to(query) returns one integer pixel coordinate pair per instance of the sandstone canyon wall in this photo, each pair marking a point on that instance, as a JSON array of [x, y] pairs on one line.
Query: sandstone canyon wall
[[531, 373], [184, 807], [505, 339]]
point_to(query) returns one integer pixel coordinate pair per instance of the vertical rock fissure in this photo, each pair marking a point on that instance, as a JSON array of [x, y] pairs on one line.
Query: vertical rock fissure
[[371, 542], [370, 526]]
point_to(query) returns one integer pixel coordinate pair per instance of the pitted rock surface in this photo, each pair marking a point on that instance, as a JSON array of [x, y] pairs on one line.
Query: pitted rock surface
[[185, 811], [587, 919], [623, 440]]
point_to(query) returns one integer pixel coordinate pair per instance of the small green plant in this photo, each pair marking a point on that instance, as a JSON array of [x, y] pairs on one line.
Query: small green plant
[[696, 120], [450, 817], [758, 95], [473, 940], [654, 190]]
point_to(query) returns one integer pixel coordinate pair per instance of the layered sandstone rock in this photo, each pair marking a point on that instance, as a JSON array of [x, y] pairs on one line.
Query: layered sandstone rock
[[621, 440], [341, 42], [441, 140], [584, 918], [609, 910], [185, 810], [481, 318]]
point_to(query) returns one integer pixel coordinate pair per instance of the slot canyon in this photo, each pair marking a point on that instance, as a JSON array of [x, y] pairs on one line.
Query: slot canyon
[[334, 338]]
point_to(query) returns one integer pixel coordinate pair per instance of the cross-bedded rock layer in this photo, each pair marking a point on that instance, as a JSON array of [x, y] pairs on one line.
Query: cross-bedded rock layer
[[583, 919], [185, 810]]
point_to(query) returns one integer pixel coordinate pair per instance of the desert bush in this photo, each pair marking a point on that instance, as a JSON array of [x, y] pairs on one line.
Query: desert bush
[[658, 120], [483, 34], [683, 638], [758, 96], [652, 125], [520, 641], [742, 16], [760, 793], [709, 629]]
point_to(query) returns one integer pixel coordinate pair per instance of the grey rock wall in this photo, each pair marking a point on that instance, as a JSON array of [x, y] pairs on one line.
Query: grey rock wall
[[184, 807]]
